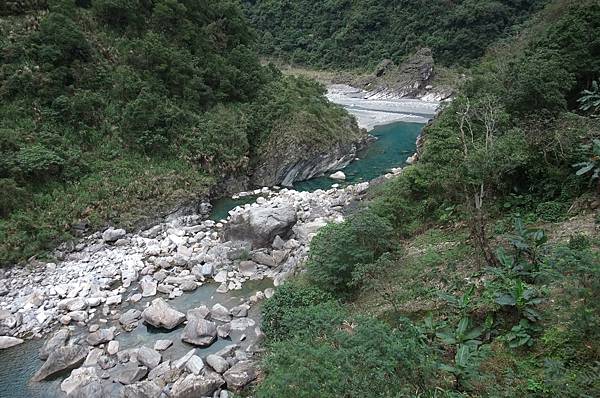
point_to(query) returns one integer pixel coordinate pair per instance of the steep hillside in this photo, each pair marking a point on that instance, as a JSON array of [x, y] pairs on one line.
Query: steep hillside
[[118, 110], [358, 34], [475, 272]]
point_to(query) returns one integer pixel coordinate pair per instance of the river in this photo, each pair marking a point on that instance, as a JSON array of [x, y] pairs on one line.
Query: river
[[396, 124]]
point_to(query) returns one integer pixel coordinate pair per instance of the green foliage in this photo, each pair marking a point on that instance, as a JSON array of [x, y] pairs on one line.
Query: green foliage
[[338, 249], [362, 357], [356, 34], [290, 301], [592, 164], [521, 334], [92, 86], [590, 99]]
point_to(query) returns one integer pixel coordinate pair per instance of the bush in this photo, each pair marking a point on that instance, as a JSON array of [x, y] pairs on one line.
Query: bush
[[13, 196], [287, 302], [118, 13], [339, 248], [360, 358]]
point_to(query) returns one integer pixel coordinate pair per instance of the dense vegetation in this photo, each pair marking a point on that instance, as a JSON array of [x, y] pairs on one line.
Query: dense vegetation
[[342, 34], [480, 264], [118, 109]]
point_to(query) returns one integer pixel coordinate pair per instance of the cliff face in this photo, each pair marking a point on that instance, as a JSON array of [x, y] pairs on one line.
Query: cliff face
[[415, 78], [287, 158]]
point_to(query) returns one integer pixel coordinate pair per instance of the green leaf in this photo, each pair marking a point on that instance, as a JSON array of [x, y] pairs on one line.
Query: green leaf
[[462, 327], [473, 333], [506, 299], [463, 354], [446, 337]]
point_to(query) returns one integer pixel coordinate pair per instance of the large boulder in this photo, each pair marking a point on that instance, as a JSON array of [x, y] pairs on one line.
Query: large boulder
[[148, 357], [218, 363], [112, 235], [162, 315], [240, 375], [259, 226], [63, 358], [78, 378], [143, 389], [199, 332], [59, 339], [194, 386], [8, 341], [100, 337], [129, 374]]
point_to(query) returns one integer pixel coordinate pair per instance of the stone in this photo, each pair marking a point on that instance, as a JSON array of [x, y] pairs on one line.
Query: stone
[[136, 297], [188, 286], [148, 357], [94, 387], [61, 359], [8, 341], [224, 330], [78, 316], [149, 286], [164, 373], [242, 323], [113, 300], [219, 313], [180, 363], [199, 312], [72, 304], [264, 259], [142, 389], [194, 365], [199, 332], [219, 364], [207, 269], [78, 378], [129, 319], [240, 311], [269, 292], [112, 235], [161, 315], [129, 374], [240, 374], [93, 357], [260, 225], [113, 347], [339, 175], [59, 339], [100, 337], [221, 277], [247, 268], [278, 243], [196, 386], [162, 345]]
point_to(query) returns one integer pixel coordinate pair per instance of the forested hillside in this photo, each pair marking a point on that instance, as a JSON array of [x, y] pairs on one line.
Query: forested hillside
[[118, 109], [357, 34], [476, 272]]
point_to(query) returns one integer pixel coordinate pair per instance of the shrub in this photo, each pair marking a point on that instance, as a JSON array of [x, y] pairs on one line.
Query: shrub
[[338, 248], [361, 358], [13, 196], [279, 310], [117, 13]]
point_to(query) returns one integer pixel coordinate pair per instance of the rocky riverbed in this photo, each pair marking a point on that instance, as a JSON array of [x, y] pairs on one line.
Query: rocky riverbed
[[113, 285]]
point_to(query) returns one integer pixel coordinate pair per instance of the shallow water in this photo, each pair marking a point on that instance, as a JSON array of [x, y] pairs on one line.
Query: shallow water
[[18, 364]]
